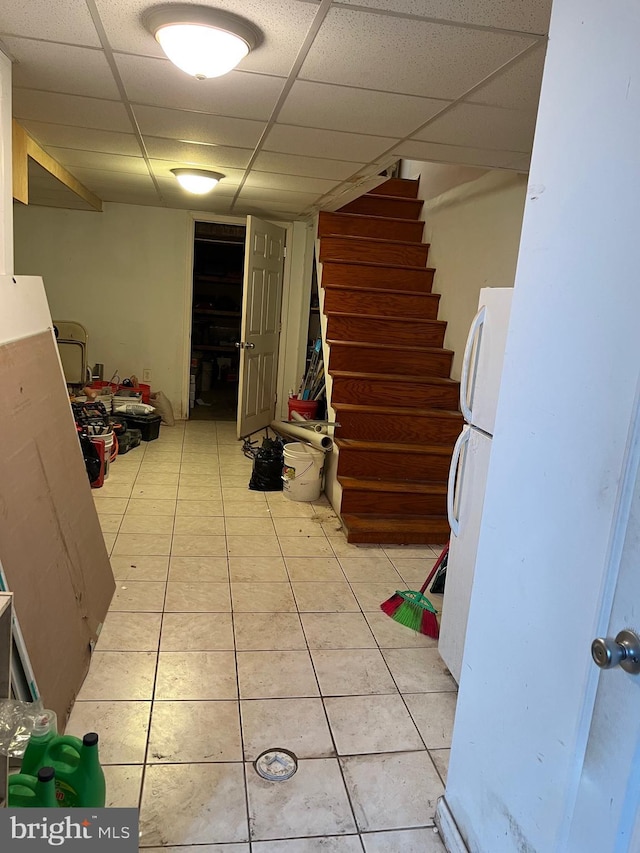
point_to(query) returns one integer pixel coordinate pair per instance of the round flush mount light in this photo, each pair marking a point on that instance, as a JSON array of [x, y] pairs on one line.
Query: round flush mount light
[[198, 181], [202, 41]]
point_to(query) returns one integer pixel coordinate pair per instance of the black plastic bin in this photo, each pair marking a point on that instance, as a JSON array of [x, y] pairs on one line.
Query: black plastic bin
[[149, 425]]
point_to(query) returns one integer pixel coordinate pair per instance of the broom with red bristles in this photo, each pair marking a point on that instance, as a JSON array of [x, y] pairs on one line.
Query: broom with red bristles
[[412, 608]]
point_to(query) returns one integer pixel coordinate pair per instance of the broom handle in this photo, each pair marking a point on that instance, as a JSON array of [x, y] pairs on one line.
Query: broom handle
[[435, 568]]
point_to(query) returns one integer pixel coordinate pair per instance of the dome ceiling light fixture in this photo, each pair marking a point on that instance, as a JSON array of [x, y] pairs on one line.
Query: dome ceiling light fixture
[[201, 41], [197, 181]]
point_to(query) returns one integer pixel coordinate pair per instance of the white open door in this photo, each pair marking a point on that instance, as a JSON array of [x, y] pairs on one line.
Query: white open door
[[261, 301]]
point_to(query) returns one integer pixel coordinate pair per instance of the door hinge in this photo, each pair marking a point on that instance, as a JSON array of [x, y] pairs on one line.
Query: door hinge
[[284, 251]]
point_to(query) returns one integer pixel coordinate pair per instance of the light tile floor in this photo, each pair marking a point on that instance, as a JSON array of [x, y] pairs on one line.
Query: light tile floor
[[243, 621]]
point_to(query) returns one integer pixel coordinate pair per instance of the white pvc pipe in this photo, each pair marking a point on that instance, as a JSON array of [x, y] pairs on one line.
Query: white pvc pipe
[[296, 416], [292, 430]]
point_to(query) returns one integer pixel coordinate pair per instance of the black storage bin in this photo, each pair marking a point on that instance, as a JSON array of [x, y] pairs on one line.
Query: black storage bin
[[149, 425], [128, 440]]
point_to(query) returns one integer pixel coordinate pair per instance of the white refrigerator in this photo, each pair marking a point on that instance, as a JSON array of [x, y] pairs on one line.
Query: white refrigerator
[[479, 387]]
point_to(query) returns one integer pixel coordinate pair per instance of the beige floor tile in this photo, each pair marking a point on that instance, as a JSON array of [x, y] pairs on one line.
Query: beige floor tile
[[333, 597], [353, 672], [147, 524], [138, 596], [440, 758], [154, 493], [185, 804], [171, 449], [302, 546], [342, 548], [326, 844], [191, 545], [123, 728], [244, 509], [109, 541], [419, 670], [253, 546], [414, 572], [110, 523], [379, 788], [371, 595], [262, 598], [197, 597], [234, 481], [391, 635], [196, 632], [257, 569], [199, 569], [190, 492], [337, 631], [242, 495], [367, 724], [314, 569], [331, 524], [409, 552], [299, 725], [193, 508], [424, 840], [142, 544], [196, 675], [268, 632], [148, 506], [239, 526], [276, 675], [110, 506], [161, 465], [193, 732], [140, 568], [130, 632], [117, 676], [366, 570], [313, 802], [200, 457], [120, 488], [298, 527], [148, 476], [282, 507], [123, 786], [433, 714], [203, 525]]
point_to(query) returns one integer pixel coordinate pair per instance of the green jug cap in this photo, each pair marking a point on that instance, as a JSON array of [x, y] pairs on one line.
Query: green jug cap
[[46, 774], [90, 739]]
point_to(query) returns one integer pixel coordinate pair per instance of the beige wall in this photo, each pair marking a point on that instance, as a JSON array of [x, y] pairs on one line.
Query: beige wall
[[474, 231]]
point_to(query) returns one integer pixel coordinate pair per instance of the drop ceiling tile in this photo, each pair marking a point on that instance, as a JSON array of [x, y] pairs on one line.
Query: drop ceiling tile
[[520, 164], [61, 68], [98, 180], [198, 127], [158, 82], [71, 157], [429, 151], [267, 196], [197, 154], [405, 56], [269, 210], [482, 127], [211, 204], [70, 109], [65, 20], [524, 15], [355, 110], [287, 139], [124, 196], [270, 180], [311, 167], [62, 136], [518, 86], [284, 24]]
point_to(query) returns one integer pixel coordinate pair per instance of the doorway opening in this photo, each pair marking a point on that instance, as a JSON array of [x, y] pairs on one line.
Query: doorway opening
[[218, 268]]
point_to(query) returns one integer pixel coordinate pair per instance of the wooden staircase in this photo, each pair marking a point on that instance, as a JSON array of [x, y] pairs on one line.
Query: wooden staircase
[[392, 394]]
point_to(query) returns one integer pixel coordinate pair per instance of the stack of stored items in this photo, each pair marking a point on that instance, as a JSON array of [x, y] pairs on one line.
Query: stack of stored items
[[313, 385]]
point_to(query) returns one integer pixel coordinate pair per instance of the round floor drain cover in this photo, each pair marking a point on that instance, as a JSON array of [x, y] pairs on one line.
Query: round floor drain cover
[[276, 765]]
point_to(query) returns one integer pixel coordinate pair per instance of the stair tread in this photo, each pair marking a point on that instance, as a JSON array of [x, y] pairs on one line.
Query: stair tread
[[378, 265], [374, 194], [377, 240], [391, 290], [392, 447], [360, 216], [415, 487], [395, 377], [364, 521], [358, 408], [390, 347], [383, 317]]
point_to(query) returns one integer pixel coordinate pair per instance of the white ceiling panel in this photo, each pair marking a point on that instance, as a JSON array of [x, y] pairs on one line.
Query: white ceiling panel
[[531, 16], [355, 110], [312, 167], [278, 196], [71, 157], [160, 83], [518, 86], [430, 151], [289, 182], [61, 68], [203, 204], [124, 196], [62, 136], [197, 154], [70, 109], [286, 139], [198, 127], [284, 23], [405, 56], [63, 20], [520, 164], [101, 178], [482, 127]]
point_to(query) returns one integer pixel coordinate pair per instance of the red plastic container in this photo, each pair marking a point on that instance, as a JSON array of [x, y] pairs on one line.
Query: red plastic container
[[307, 408], [99, 446]]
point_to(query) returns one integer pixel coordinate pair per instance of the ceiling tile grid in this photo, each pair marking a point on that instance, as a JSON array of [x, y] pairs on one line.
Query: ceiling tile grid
[[482, 127], [74, 110], [66, 21]]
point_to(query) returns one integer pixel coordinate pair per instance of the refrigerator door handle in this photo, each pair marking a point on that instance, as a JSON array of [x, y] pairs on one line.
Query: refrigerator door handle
[[476, 325], [454, 523]]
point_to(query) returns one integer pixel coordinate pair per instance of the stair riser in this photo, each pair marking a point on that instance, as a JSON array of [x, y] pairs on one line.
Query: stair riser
[[363, 392], [413, 429], [370, 303], [398, 187], [433, 532], [336, 223], [392, 503], [384, 465], [426, 333], [408, 208], [343, 249], [388, 278], [372, 360]]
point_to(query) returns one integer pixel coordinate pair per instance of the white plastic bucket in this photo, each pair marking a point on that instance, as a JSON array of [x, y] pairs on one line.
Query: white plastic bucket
[[108, 447], [302, 472]]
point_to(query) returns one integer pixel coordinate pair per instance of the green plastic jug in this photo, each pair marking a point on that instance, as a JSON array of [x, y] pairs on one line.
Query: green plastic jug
[[33, 791], [80, 779]]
